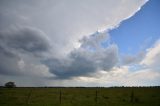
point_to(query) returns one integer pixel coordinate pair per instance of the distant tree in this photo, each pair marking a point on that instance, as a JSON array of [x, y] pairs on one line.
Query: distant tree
[[10, 85]]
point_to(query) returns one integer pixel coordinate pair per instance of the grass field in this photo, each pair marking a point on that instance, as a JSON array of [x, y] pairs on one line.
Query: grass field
[[80, 96]]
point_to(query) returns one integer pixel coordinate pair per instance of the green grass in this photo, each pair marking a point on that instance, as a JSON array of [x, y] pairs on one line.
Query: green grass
[[79, 97]]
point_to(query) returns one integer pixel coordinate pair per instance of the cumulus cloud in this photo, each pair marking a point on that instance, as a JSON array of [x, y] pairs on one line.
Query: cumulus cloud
[[93, 42], [81, 62]]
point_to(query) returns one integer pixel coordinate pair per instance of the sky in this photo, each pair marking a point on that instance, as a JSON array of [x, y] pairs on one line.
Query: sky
[[80, 42], [142, 28]]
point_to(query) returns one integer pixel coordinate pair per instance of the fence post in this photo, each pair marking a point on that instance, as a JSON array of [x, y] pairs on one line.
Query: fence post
[[132, 97], [28, 97], [96, 97], [60, 97]]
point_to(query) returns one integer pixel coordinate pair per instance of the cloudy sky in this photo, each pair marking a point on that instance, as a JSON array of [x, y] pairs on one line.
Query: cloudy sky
[[80, 42]]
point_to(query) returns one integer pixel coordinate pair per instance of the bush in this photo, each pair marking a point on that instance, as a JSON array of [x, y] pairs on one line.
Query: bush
[[10, 85]]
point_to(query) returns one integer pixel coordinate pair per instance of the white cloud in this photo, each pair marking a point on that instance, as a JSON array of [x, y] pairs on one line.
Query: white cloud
[[66, 22], [152, 58], [123, 77], [132, 59], [29, 68]]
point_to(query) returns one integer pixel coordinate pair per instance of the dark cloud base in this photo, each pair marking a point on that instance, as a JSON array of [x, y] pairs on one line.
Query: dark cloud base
[[17, 43]]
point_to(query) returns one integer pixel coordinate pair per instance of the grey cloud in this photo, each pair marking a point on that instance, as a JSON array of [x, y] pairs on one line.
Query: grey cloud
[[80, 66], [22, 43], [19, 43], [93, 43], [109, 57], [24, 39], [8, 62], [94, 40], [83, 62]]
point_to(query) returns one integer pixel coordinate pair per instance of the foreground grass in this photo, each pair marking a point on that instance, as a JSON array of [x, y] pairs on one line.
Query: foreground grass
[[80, 97]]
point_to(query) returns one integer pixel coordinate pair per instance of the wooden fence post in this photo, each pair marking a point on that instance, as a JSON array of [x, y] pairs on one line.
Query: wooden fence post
[[28, 97], [132, 97], [60, 97], [96, 97]]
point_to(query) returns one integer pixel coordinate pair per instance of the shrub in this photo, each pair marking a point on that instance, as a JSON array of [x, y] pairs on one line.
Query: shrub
[[10, 85]]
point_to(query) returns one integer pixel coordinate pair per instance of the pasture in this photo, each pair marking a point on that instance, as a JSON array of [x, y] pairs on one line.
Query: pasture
[[121, 96]]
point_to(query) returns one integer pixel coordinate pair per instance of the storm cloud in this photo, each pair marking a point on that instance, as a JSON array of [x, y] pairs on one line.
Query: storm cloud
[[19, 46], [20, 43], [60, 39], [84, 61]]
